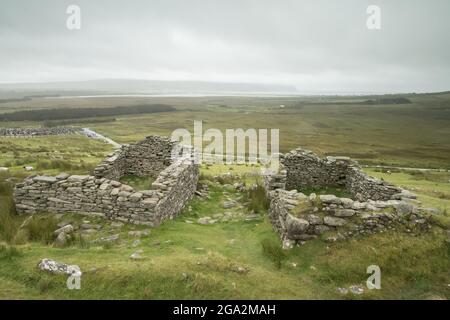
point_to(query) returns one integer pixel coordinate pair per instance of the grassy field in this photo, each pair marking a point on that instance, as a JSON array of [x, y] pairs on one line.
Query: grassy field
[[413, 135], [234, 259], [433, 188], [52, 154], [239, 257]]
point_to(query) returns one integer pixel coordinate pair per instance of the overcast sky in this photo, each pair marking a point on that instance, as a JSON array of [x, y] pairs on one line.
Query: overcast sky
[[313, 45]]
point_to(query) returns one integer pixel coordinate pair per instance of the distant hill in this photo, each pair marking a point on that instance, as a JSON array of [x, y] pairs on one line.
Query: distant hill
[[132, 86]]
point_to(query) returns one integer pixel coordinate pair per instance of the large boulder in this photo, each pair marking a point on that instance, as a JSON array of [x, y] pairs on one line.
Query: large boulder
[[295, 226]]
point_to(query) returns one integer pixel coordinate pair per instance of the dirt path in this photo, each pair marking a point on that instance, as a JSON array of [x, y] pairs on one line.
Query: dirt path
[[94, 135]]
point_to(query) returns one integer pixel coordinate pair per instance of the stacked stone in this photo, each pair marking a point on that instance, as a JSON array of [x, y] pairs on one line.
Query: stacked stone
[[177, 184], [96, 195], [281, 203], [274, 180], [305, 169], [27, 132], [342, 216], [145, 158], [362, 186]]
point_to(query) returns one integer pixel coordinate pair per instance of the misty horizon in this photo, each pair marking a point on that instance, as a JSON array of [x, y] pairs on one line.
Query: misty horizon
[[305, 48]]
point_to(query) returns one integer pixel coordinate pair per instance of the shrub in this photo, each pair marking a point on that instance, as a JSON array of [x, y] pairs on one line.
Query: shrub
[[8, 226], [79, 241], [6, 187], [41, 228], [273, 251]]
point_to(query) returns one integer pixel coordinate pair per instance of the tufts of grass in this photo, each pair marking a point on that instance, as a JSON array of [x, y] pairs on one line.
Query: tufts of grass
[[272, 250], [224, 179], [41, 228], [9, 252], [138, 183], [409, 265], [64, 165], [77, 241], [337, 191], [302, 208], [8, 225]]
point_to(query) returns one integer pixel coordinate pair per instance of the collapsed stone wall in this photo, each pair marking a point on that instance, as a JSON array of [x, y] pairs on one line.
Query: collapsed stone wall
[[274, 180], [304, 169], [375, 205], [31, 132], [297, 217], [103, 195]]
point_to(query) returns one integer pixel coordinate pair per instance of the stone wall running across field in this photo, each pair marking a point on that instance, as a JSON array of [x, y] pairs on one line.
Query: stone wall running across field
[[103, 195], [35, 132], [374, 206]]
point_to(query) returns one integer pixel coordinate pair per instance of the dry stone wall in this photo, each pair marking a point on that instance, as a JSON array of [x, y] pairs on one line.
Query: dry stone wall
[[103, 195], [297, 217], [304, 169], [375, 205], [32, 132], [145, 158]]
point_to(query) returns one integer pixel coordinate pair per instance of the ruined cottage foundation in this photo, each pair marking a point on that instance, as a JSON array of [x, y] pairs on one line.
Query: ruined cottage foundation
[[373, 205], [103, 195]]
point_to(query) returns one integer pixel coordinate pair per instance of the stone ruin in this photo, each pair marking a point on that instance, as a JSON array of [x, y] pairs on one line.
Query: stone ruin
[[170, 163], [373, 205]]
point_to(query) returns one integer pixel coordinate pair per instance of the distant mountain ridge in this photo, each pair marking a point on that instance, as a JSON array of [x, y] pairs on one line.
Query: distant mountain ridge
[[127, 86]]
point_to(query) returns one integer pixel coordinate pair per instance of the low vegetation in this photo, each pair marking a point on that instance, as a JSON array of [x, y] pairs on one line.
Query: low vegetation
[[138, 183], [337, 191], [75, 113], [236, 259], [63, 123], [273, 251], [256, 199], [239, 256]]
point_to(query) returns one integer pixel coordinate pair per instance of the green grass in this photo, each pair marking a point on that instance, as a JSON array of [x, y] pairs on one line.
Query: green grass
[[52, 154], [337, 191], [237, 259], [432, 188], [381, 134], [188, 260], [200, 262], [273, 251], [138, 183]]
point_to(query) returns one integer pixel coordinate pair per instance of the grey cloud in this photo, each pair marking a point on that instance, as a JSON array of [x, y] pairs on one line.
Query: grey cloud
[[314, 45]]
